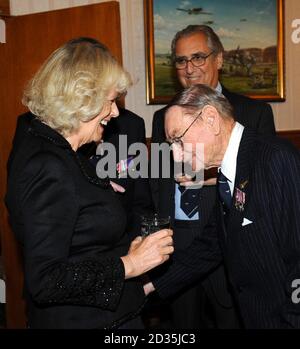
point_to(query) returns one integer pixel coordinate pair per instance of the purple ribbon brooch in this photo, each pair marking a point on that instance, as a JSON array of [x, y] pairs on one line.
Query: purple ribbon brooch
[[240, 196], [123, 166]]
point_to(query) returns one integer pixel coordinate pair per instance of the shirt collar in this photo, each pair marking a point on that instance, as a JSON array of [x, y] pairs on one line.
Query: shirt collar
[[219, 88], [228, 165]]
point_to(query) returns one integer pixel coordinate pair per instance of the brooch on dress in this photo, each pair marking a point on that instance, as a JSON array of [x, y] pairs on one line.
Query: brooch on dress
[[123, 166], [240, 196]]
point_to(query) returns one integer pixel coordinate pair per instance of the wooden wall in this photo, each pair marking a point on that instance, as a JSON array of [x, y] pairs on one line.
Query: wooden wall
[[293, 136], [4, 7]]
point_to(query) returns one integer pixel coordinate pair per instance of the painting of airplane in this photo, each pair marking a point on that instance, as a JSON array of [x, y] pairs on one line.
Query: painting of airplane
[[194, 11], [253, 54]]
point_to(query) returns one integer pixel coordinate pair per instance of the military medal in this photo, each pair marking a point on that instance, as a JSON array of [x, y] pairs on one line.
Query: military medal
[[240, 196], [243, 184], [123, 166], [240, 199]]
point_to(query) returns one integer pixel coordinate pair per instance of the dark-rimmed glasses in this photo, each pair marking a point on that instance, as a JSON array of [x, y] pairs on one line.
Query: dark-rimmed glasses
[[177, 140], [197, 60]]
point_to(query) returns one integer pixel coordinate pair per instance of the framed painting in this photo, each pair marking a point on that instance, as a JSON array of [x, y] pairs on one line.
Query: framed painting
[[251, 33]]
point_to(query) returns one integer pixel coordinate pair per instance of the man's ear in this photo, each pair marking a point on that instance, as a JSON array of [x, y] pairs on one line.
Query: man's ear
[[211, 119]]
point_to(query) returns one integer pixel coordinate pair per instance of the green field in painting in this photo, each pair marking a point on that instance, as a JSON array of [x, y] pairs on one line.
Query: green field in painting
[[263, 80]]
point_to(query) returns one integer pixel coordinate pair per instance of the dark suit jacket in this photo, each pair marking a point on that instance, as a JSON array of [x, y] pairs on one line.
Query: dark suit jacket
[[262, 258], [251, 113]]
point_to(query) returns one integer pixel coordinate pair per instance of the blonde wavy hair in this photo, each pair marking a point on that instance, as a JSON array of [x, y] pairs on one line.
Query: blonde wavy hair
[[73, 83]]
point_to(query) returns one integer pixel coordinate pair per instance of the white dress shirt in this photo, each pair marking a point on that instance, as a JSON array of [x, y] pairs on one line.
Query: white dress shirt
[[228, 165]]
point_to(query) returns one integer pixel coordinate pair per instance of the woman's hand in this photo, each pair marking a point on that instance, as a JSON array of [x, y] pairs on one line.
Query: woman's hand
[[146, 254]]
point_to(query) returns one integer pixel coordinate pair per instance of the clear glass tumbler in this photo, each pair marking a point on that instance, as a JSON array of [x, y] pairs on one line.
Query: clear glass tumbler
[[152, 223]]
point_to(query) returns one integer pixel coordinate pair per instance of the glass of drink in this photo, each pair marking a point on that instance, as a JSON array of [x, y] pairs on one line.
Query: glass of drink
[[152, 223]]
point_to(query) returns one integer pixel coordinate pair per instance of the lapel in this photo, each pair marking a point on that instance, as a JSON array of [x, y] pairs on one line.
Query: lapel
[[167, 193], [202, 208], [238, 103], [243, 184], [166, 197], [222, 226], [229, 95], [207, 202]]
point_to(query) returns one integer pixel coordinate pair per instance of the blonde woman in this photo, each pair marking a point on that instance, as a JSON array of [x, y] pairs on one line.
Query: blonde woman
[[80, 271]]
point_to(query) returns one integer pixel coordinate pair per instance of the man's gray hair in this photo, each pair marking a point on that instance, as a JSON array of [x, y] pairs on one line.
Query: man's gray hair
[[196, 97], [213, 41]]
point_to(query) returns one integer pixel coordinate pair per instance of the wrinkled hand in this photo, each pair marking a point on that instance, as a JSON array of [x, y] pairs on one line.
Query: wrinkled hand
[[146, 254], [210, 178], [187, 181], [135, 244], [195, 185]]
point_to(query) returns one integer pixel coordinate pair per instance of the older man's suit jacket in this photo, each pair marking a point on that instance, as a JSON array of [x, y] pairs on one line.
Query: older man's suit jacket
[[262, 257], [250, 113]]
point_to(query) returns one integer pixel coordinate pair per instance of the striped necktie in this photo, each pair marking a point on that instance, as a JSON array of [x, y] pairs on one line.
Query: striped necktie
[[189, 200], [224, 191]]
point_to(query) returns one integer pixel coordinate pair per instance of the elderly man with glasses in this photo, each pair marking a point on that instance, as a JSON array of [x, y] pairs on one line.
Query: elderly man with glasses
[[254, 227], [197, 54]]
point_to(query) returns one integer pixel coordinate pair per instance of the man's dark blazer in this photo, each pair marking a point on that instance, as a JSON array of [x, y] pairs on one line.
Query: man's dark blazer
[[250, 113], [262, 258]]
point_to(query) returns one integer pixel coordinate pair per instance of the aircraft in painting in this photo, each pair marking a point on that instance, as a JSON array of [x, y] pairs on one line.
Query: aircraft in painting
[[194, 11]]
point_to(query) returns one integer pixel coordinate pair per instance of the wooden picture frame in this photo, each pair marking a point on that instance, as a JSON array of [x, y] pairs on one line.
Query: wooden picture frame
[[248, 69]]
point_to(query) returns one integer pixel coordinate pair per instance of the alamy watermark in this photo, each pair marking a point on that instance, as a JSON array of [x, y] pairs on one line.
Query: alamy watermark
[[134, 161], [296, 33], [296, 292]]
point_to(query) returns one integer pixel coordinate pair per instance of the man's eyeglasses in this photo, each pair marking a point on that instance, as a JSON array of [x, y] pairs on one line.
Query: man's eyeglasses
[[177, 140], [197, 60]]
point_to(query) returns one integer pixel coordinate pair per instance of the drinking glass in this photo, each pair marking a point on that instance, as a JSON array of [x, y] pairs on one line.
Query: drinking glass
[[152, 223]]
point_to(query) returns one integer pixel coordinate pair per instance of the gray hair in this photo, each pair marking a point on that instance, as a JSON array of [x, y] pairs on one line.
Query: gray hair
[[196, 97], [213, 41]]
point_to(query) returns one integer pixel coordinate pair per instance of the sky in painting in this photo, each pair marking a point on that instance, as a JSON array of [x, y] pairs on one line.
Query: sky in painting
[[246, 23]]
